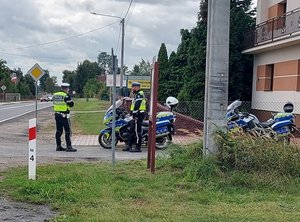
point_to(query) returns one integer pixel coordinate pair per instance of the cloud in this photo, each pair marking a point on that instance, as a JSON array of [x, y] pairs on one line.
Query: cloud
[[73, 34]]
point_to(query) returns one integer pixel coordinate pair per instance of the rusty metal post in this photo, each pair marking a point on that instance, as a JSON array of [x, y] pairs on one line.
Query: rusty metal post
[[152, 118]]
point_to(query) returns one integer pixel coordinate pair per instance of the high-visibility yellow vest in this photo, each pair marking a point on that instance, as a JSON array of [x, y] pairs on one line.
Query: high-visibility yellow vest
[[143, 103], [59, 104]]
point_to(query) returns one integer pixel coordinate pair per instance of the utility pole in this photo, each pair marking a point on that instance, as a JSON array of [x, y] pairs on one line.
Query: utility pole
[[217, 62], [122, 21], [122, 54]]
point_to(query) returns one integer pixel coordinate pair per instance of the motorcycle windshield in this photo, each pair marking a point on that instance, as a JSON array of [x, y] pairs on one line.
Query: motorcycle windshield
[[118, 104], [234, 105]]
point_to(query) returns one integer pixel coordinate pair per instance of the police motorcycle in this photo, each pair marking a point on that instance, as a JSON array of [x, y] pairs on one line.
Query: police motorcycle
[[237, 120], [165, 127], [279, 127], [282, 123]]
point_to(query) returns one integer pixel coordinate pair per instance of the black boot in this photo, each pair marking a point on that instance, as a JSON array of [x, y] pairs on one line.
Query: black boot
[[136, 150], [70, 149], [60, 148], [127, 148]]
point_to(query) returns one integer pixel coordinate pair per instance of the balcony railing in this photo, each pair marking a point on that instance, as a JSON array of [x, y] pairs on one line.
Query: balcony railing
[[285, 26]]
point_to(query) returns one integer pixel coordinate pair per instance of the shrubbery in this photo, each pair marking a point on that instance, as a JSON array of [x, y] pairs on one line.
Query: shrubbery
[[240, 162], [257, 155]]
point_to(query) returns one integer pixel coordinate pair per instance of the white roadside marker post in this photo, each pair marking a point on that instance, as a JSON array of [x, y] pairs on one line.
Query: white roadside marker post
[[32, 149]]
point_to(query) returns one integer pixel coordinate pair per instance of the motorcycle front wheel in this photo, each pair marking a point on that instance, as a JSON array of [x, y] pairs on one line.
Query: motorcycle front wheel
[[105, 140], [163, 142]]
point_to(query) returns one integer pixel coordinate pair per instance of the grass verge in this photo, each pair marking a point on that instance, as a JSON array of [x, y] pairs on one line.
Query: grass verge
[[87, 118], [91, 105], [128, 192], [185, 187]]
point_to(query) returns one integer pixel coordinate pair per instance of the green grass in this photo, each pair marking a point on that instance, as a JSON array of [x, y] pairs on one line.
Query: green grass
[[91, 105], [87, 117], [128, 192], [87, 123], [249, 180]]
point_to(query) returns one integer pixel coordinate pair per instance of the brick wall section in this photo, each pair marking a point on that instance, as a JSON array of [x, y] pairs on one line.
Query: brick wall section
[[184, 124]]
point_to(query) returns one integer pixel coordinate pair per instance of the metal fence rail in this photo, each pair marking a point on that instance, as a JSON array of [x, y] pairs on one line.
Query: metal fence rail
[[285, 26]]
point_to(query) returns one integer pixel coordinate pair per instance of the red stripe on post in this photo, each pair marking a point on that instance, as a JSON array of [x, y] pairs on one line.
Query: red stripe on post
[[32, 133]]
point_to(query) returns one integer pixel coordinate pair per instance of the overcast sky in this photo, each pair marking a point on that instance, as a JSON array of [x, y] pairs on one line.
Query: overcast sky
[[57, 34]]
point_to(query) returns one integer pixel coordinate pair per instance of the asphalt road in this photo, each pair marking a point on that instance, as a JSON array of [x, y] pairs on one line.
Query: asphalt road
[[14, 144], [10, 111]]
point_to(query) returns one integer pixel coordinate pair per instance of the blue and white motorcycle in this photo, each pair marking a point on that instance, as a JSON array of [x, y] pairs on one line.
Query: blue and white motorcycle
[[165, 127], [279, 127]]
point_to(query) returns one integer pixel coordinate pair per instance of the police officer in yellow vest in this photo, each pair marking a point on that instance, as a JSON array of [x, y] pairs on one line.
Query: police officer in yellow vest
[[62, 102], [138, 109]]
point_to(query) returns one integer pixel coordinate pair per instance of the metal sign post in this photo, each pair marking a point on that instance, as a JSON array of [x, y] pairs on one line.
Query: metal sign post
[[114, 91], [36, 73], [3, 89]]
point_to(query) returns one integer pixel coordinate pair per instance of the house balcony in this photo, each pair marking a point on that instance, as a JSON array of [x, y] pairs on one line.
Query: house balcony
[[279, 32]]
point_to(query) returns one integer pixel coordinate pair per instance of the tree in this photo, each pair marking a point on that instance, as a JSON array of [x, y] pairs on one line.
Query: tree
[[5, 77], [91, 88], [103, 91], [143, 69], [163, 73], [69, 76], [3, 70], [135, 71], [187, 65], [43, 81], [240, 65], [105, 62], [50, 84], [23, 87], [85, 71], [176, 77], [31, 84]]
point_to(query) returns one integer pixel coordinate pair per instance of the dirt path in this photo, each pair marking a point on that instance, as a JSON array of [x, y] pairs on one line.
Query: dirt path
[[24, 212], [14, 133]]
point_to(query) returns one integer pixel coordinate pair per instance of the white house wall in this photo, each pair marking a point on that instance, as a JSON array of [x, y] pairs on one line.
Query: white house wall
[[292, 4], [264, 5], [274, 100]]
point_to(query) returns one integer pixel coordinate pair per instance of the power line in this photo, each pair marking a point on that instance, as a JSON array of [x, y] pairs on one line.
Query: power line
[[29, 56], [128, 8], [130, 14], [59, 40], [39, 57]]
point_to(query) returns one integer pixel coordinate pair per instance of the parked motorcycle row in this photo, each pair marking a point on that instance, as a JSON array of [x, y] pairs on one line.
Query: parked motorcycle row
[[165, 127], [279, 127]]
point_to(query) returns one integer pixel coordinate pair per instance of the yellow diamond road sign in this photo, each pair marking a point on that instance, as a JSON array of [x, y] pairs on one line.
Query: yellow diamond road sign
[[36, 72]]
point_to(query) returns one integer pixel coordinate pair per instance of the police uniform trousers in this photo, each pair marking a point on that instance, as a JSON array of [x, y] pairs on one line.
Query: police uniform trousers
[[136, 131], [62, 122]]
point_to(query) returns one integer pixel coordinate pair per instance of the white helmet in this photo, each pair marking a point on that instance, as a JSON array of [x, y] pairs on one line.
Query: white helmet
[[171, 101]]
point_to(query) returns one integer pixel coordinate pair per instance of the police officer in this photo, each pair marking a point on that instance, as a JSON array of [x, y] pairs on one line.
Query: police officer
[[138, 109], [62, 102]]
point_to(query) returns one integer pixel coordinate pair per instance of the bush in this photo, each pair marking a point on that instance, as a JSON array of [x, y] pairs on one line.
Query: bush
[[241, 162], [257, 155], [190, 162]]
